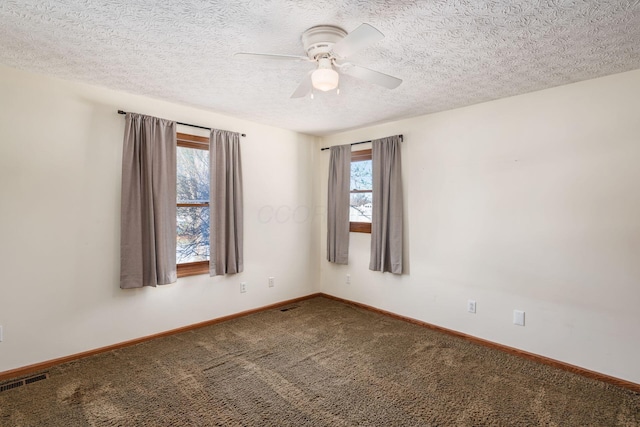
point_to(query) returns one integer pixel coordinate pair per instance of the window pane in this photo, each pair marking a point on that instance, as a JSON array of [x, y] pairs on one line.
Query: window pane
[[360, 207], [193, 175], [361, 175], [193, 234]]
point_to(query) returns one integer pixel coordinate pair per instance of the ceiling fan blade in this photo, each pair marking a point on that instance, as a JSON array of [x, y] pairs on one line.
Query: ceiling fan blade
[[304, 88], [372, 76], [271, 56], [357, 39]]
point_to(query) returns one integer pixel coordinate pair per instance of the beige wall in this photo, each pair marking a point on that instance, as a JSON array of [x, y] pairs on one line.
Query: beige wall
[[60, 160], [531, 203]]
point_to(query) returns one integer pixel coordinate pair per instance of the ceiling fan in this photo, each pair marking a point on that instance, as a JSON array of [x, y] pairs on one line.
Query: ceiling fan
[[328, 46]]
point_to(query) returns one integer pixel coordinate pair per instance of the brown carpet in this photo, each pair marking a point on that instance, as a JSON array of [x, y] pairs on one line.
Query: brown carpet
[[323, 363]]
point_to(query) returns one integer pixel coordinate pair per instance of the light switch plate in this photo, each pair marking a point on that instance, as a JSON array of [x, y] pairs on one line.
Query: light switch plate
[[518, 317]]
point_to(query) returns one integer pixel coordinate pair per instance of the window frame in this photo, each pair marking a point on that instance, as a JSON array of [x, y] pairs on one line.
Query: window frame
[[200, 143], [359, 156]]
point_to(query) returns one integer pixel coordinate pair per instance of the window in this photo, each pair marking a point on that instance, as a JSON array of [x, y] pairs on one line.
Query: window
[[192, 167], [361, 192]]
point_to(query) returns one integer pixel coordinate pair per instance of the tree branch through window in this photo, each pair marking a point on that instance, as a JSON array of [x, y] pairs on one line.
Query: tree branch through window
[[193, 195], [361, 202]]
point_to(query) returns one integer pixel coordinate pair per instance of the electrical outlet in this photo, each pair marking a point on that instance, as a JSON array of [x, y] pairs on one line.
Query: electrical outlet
[[1, 336], [243, 287], [518, 317], [348, 280], [272, 282], [471, 306]]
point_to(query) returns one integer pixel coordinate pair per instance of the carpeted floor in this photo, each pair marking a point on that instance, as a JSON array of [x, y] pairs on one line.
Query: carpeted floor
[[323, 363]]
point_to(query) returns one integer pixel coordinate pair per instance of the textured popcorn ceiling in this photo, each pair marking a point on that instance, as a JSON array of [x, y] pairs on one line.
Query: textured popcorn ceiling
[[450, 53]]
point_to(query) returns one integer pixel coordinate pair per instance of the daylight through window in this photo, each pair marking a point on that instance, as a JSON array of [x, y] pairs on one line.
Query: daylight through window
[[360, 205], [192, 163]]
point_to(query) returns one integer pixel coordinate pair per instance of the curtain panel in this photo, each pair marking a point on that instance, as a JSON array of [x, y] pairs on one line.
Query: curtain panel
[[386, 226], [338, 204], [226, 207], [148, 202]]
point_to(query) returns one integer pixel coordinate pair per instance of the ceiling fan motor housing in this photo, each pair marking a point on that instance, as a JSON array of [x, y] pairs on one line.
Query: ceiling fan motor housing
[[319, 40]]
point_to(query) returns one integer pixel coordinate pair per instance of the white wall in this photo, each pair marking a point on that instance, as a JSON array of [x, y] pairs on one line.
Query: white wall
[[60, 160], [531, 203]]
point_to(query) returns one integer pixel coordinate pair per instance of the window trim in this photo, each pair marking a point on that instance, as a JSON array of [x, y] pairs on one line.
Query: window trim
[[359, 156], [192, 268], [201, 143]]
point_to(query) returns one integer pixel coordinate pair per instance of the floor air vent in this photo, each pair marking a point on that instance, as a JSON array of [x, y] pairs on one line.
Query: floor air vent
[[291, 307], [23, 381]]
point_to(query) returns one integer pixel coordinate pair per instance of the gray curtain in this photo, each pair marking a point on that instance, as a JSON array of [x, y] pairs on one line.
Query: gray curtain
[[226, 210], [386, 226], [338, 204], [148, 205]]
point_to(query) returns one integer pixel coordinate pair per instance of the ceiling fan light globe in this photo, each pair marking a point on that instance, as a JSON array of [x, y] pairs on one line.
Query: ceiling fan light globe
[[324, 79]]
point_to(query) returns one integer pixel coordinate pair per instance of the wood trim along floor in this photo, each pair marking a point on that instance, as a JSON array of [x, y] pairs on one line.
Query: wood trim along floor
[[521, 353], [26, 370]]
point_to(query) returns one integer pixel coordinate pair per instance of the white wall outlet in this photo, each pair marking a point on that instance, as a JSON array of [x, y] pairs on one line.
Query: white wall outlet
[[471, 306], [272, 282], [1, 336], [518, 317], [348, 280], [243, 287]]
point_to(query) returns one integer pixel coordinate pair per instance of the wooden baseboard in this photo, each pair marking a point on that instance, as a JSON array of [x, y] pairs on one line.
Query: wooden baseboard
[[27, 370], [511, 350]]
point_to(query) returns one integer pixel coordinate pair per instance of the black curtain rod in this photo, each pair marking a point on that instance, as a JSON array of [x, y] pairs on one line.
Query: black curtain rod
[[180, 123], [361, 142]]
